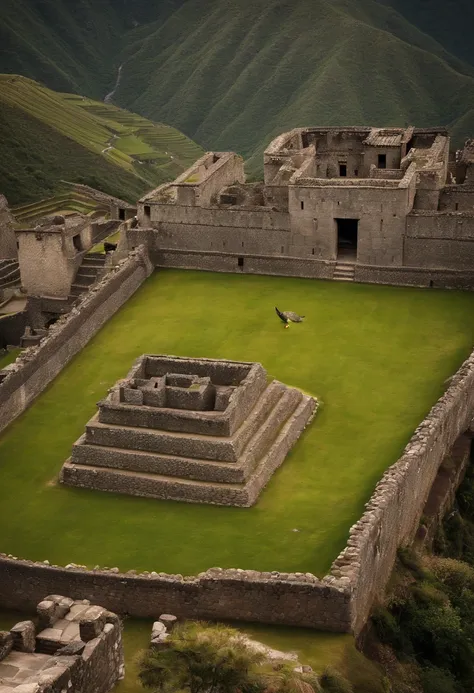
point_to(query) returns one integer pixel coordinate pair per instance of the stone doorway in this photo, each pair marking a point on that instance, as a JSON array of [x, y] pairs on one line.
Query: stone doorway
[[347, 235]]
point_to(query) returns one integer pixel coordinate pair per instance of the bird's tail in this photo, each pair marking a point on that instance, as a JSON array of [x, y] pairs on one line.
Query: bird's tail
[[279, 313]]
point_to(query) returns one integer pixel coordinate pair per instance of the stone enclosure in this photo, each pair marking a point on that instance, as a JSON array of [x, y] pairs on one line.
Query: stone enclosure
[[383, 205], [196, 430], [73, 646]]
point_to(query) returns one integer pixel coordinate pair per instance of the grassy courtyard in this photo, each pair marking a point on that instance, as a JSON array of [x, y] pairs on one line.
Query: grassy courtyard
[[377, 357]]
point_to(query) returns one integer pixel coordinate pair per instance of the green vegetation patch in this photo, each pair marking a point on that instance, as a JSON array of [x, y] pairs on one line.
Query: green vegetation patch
[[377, 357], [47, 136], [8, 358]]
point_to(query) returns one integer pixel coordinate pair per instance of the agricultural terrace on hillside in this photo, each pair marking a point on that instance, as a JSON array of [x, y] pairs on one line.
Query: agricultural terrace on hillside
[[377, 358]]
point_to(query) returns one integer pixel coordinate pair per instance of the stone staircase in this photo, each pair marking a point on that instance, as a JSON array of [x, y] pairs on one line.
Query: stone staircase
[[344, 272], [87, 274], [184, 454]]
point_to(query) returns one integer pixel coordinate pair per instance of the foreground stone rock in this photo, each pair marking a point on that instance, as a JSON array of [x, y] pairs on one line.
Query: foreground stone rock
[[195, 430], [58, 657]]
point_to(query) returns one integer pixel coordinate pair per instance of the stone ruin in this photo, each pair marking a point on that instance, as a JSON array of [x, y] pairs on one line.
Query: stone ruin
[[74, 647], [195, 430]]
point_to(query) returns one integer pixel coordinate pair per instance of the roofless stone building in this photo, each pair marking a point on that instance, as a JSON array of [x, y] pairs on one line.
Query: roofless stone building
[[196, 430], [384, 205]]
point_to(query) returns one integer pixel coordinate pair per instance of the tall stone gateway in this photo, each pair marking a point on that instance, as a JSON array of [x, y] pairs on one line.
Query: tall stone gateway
[[196, 430]]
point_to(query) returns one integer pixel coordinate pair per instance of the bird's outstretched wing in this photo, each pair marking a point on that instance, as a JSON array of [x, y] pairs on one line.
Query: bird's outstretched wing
[[281, 315]]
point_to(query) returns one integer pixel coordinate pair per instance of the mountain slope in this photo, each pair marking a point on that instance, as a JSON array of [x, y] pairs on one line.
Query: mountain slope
[[232, 74], [48, 136]]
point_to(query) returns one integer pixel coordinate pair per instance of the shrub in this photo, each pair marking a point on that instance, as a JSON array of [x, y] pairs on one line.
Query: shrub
[[334, 682], [454, 574], [436, 680]]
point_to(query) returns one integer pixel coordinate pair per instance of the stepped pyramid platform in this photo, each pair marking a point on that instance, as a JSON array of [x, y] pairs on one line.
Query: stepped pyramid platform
[[195, 430]]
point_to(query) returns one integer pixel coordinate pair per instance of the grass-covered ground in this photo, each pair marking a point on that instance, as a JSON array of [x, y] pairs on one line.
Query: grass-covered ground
[[8, 358], [377, 357]]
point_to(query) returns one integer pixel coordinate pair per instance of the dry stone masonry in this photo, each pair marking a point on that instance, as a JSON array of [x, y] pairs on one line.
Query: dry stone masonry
[[71, 646], [196, 430], [381, 205]]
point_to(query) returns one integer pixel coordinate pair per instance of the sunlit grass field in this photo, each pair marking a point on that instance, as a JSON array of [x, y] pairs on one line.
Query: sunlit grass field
[[376, 357]]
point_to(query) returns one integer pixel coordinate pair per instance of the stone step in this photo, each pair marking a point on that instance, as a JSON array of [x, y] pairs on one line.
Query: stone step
[[210, 423], [84, 280], [179, 443], [188, 467], [78, 289], [87, 271], [96, 260], [343, 279], [193, 491]]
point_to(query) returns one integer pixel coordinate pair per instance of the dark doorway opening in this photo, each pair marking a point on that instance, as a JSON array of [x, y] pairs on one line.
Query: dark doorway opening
[[121, 214], [347, 232], [343, 170], [240, 262], [382, 161], [76, 240], [146, 212]]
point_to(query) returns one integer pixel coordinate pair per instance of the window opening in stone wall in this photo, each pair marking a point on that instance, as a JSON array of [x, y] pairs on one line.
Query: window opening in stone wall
[[121, 214], [76, 241], [240, 262], [456, 206], [382, 161], [302, 204], [343, 170], [347, 236], [356, 172]]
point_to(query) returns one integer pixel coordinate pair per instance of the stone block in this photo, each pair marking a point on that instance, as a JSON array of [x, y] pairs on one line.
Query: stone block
[[24, 636], [160, 642], [47, 612], [157, 629], [6, 644], [132, 396], [169, 621], [73, 648], [92, 623]]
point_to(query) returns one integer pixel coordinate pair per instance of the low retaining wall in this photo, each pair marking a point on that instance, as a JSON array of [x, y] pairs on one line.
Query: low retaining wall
[[244, 264], [394, 511], [277, 598], [37, 366], [414, 276]]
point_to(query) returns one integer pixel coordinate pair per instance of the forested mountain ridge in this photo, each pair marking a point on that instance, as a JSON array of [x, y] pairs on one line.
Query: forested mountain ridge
[[232, 74]]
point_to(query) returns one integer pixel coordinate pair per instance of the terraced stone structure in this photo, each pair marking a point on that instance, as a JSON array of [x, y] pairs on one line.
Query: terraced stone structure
[[72, 646], [196, 430]]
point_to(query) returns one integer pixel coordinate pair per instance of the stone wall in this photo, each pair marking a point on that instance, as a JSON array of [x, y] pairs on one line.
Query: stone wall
[[36, 366], [8, 249], [393, 513], [279, 598], [457, 198], [415, 276], [245, 264], [439, 240]]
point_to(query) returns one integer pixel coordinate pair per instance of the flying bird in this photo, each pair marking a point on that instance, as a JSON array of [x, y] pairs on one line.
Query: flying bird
[[288, 316]]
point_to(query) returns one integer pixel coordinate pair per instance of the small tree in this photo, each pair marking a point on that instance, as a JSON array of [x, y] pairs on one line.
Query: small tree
[[204, 658]]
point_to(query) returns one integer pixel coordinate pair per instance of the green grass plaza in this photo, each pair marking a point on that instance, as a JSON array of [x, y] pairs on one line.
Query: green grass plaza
[[376, 357]]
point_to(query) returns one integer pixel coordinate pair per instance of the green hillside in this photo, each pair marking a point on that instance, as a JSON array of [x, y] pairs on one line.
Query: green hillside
[[48, 136], [233, 75]]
